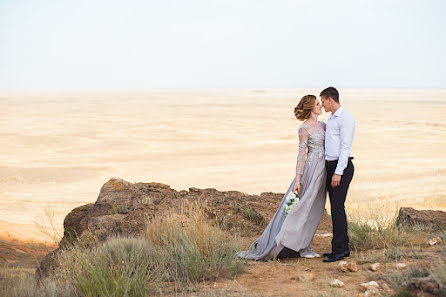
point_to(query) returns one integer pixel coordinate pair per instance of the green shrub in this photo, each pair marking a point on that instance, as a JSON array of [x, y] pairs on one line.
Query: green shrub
[[251, 214], [394, 253], [117, 267]]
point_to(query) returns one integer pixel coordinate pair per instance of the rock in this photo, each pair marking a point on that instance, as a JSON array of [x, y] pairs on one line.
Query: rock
[[401, 265], [372, 293], [352, 267], [434, 241], [47, 264], [435, 219], [324, 234], [374, 267], [425, 284], [344, 266], [370, 285], [123, 209], [337, 283]]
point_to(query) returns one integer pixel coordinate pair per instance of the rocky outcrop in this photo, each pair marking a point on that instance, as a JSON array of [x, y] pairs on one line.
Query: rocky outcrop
[[408, 216], [123, 209]]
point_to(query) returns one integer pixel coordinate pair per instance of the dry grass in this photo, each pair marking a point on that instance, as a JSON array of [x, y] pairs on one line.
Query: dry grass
[[190, 219], [48, 228], [21, 282], [376, 229], [180, 249], [192, 247]]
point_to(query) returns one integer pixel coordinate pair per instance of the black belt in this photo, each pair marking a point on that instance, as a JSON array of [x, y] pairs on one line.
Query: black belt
[[335, 161]]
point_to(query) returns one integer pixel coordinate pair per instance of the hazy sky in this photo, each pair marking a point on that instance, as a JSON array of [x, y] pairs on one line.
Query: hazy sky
[[229, 43]]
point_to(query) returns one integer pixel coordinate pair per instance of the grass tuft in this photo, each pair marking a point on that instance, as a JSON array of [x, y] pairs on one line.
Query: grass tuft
[[364, 236], [192, 248], [251, 214], [117, 267]]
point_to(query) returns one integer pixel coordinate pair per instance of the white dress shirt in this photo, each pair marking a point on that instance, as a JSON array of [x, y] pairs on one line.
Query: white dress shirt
[[339, 138]]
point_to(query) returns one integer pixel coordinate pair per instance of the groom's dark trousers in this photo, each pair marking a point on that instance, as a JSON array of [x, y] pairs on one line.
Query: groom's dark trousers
[[339, 243]]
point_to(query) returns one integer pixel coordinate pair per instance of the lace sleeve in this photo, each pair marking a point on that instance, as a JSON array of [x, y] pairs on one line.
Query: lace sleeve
[[302, 155]]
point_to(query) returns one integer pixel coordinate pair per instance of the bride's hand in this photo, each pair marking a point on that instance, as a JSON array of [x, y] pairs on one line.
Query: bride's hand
[[296, 186]]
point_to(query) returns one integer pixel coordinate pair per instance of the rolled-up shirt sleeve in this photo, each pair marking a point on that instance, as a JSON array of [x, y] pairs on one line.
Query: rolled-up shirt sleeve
[[347, 130]]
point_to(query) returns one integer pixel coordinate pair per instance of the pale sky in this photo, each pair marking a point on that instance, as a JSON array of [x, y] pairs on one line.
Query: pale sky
[[105, 44]]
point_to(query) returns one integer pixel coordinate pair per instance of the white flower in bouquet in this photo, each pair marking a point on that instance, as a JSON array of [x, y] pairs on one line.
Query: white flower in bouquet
[[292, 199]]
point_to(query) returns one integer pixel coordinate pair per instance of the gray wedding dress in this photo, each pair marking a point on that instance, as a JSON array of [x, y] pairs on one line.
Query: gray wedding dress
[[297, 230]]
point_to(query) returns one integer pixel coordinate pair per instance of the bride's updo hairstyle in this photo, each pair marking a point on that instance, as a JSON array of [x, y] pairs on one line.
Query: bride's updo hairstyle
[[303, 110]]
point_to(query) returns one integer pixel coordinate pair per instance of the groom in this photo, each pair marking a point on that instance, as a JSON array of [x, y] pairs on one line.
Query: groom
[[338, 146]]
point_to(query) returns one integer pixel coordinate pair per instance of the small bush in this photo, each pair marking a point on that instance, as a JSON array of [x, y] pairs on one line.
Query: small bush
[[251, 214], [117, 267], [394, 253]]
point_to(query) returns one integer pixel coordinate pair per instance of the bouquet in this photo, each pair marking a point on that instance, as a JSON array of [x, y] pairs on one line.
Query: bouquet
[[292, 199]]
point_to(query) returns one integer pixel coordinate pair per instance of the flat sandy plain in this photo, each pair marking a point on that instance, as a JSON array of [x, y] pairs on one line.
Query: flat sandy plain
[[59, 148]]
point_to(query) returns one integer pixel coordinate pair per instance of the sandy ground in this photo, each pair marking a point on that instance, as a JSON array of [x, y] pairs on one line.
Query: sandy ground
[[58, 149]]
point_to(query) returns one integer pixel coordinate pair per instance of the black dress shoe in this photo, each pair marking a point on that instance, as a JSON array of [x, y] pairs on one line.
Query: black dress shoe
[[346, 254], [334, 258]]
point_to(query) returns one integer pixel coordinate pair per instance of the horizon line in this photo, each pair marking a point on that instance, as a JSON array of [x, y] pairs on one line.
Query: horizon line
[[27, 90]]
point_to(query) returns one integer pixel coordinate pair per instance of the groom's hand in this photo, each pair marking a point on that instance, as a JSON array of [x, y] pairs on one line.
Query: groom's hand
[[336, 180]]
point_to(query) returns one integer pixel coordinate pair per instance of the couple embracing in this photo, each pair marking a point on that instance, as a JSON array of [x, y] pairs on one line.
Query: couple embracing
[[323, 165]]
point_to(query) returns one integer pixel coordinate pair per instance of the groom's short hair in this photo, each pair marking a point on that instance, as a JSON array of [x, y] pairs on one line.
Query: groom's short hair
[[330, 92]]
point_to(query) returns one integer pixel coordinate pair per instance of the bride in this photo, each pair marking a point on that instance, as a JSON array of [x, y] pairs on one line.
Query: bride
[[297, 229]]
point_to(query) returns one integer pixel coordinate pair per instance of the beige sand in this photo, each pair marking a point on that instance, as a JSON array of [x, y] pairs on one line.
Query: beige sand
[[58, 149]]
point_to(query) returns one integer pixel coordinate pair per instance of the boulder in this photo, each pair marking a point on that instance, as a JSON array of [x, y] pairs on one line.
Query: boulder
[[369, 286], [408, 216], [123, 209], [337, 283], [345, 266]]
